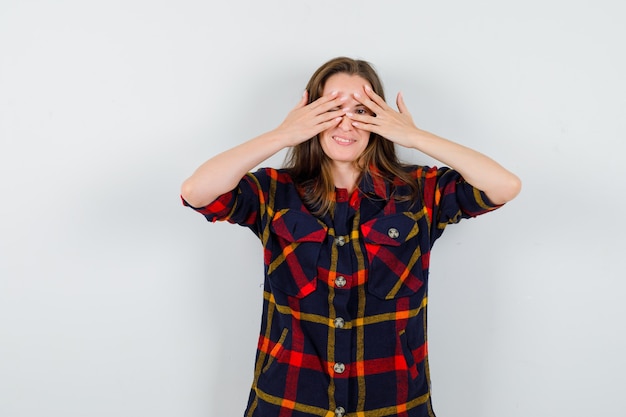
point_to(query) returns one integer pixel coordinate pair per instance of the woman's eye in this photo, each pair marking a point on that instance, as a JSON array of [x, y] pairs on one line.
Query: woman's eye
[[361, 111]]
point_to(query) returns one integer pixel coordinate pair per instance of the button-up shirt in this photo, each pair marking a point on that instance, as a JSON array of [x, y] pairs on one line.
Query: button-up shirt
[[343, 328]]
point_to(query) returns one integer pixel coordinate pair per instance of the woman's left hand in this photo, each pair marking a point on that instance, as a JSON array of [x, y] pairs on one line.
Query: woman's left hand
[[482, 172], [397, 126]]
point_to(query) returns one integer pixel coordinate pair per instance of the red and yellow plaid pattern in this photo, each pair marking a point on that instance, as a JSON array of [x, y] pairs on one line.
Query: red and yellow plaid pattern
[[343, 330]]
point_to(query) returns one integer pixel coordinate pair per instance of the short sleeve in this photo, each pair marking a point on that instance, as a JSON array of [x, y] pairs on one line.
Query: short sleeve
[[452, 199], [241, 205]]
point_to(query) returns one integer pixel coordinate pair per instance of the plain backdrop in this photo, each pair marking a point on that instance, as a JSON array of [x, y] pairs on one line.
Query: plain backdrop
[[115, 300]]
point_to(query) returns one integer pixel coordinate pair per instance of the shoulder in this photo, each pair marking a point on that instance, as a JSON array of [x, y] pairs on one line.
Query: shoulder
[[273, 181], [267, 178], [272, 174], [421, 172], [426, 173]]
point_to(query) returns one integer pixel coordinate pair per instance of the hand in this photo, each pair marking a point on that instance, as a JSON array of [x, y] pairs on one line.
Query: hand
[[397, 126], [307, 120]]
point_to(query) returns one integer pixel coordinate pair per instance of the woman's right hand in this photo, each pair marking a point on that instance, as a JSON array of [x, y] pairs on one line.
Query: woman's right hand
[[223, 172], [307, 120]]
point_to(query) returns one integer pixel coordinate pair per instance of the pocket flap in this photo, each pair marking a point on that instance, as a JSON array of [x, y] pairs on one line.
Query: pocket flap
[[292, 253], [391, 230], [296, 226]]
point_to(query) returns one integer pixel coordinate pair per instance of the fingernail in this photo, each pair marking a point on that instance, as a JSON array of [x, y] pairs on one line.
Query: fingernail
[[334, 93], [357, 95], [368, 88], [349, 114]]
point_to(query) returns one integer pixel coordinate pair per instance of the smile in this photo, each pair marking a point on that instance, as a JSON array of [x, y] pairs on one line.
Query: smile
[[343, 141]]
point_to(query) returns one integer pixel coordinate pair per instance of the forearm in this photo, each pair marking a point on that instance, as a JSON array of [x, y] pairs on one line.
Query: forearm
[[499, 184], [223, 172], [482, 172]]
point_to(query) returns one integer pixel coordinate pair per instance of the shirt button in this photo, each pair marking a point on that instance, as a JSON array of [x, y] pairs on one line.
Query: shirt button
[[393, 233], [339, 323], [339, 368], [340, 282], [340, 240], [340, 411]]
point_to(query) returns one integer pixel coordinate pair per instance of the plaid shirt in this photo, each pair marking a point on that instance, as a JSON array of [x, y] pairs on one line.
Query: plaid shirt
[[343, 330]]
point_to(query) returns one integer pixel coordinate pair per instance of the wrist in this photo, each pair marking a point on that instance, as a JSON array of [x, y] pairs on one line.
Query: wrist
[[418, 138], [277, 139]]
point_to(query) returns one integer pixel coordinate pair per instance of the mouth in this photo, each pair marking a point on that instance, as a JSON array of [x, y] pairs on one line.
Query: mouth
[[343, 141]]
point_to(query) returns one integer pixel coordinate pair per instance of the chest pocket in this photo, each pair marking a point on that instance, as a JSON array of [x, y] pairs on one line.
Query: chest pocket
[[292, 253], [396, 266]]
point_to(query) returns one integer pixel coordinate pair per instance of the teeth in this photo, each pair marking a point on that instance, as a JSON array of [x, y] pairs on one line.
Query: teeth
[[338, 139]]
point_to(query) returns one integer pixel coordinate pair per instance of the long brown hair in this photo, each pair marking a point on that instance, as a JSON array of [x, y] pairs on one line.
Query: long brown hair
[[310, 167]]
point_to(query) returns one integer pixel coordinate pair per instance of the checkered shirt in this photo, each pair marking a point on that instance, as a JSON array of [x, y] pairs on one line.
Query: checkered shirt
[[343, 329]]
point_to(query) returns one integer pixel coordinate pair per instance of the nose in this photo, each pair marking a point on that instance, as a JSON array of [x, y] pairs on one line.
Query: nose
[[346, 123]]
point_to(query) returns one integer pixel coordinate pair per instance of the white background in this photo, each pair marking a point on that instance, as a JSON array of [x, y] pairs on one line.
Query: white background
[[117, 301]]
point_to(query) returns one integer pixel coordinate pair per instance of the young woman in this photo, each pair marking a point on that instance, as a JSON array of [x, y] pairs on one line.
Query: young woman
[[347, 231]]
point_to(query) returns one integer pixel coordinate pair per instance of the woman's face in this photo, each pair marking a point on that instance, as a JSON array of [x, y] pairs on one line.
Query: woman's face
[[344, 142]]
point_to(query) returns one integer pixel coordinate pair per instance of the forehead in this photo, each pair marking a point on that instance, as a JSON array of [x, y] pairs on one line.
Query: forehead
[[345, 83]]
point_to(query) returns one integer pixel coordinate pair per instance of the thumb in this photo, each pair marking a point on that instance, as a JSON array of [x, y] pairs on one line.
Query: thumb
[[303, 101], [400, 103]]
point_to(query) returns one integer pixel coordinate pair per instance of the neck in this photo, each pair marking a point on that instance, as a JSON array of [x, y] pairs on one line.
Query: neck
[[345, 175]]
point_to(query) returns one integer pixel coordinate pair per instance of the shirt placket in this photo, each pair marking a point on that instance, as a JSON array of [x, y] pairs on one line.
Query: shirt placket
[[342, 284]]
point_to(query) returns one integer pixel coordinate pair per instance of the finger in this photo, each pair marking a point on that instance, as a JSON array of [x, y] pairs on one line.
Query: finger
[[363, 118], [333, 103], [325, 99], [369, 127], [329, 115], [364, 100], [374, 97], [368, 103], [400, 103], [303, 100], [328, 124]]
